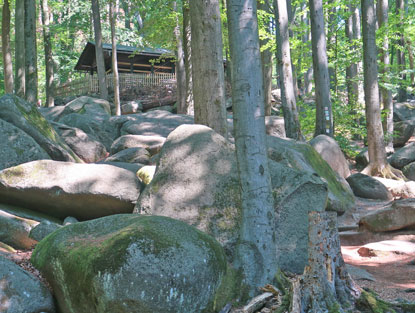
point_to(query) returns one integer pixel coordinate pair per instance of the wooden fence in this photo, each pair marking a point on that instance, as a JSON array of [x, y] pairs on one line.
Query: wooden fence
[[89, 84]]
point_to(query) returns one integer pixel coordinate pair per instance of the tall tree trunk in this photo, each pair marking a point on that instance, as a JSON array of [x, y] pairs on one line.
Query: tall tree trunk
[[257, 248], [99, 53], [187, 38], [266, 61], [207, 65], [357, 36], [180, 68], [113, 22], [400, 12], [6, 51], [50, 86], [378, 165], [382, 8], [332, 45], [19, 82], [308, 75], [292, 125], [30, 51], [411, 61], [324, 115], [352, 68]]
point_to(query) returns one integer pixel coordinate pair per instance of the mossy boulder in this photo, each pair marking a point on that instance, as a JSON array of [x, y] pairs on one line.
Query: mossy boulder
[[17, 147], [365, 186], [196, 181], [62, 189], [403, 156], [303, 157], [131, 263], [26, 116]]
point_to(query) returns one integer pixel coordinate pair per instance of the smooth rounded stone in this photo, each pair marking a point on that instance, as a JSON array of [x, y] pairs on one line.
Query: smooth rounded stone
[[16, 147], [26, 116], [15, 230], [131, 107], [403, 131], [87, 104], [21, 292], [400, 215], [403, 156], [152, 143], [146, 174], [51, 114], [130, 155], [362, 159], [5, 249], [69, 220], [197, 182], [85, 146], [153, 123], [400, 189], [330, 151], [409, 171], [28, 214], [132, 167], [304, 158], [365, 186], [404, 111], [42, 230], [63, 189], [274, 126], [134, 263]]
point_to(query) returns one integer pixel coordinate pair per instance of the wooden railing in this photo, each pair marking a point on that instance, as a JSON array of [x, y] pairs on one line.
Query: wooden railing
[[89, 84]]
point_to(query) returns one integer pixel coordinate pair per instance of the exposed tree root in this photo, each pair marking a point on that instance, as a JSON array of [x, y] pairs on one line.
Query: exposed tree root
[[385, 171]]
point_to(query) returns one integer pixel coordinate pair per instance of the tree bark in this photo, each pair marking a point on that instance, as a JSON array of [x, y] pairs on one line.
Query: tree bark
[[180, 68], [352, 68], [6, 51], [99, 54], [266, 62], [324, 115], [207, 65], [376, 146], [292, 124], [19, 82], [30, 52], [113, 21], [411, 61], [257, 248], [382, 8], [187, 38], [332, 45], [400, 12], [49, 86]]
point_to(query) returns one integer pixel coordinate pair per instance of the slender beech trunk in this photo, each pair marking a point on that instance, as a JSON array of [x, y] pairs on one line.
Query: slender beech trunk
[[400, 12], [292, 125], [382, 8], [324, 115], [376, 146], [19, 82], [99, 53], [352, 68], [411, 60], [30, 51], [180, 68], [187, 38], [257, 247], [308, 75], [332, 43], [266, 62], [357, 36], [207, 65], [113, 22], [6, 51], [49, 66]]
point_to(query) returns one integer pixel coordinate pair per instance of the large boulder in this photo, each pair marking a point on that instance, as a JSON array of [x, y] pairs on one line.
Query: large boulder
[[404, 111], [274, 126], [15, 230], [403, 131], [25, 116], [399, 189], [51, 114], [85, 146], [132, 263], [17, 147], [362, 159], [130, 155], [330, 151], [304, 158], [207, 196], [365, 186], [409, 171], [21, 292], [63, 189], [152, 143], [398, 216], [92, 116], [403, 156], [153, 123]]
